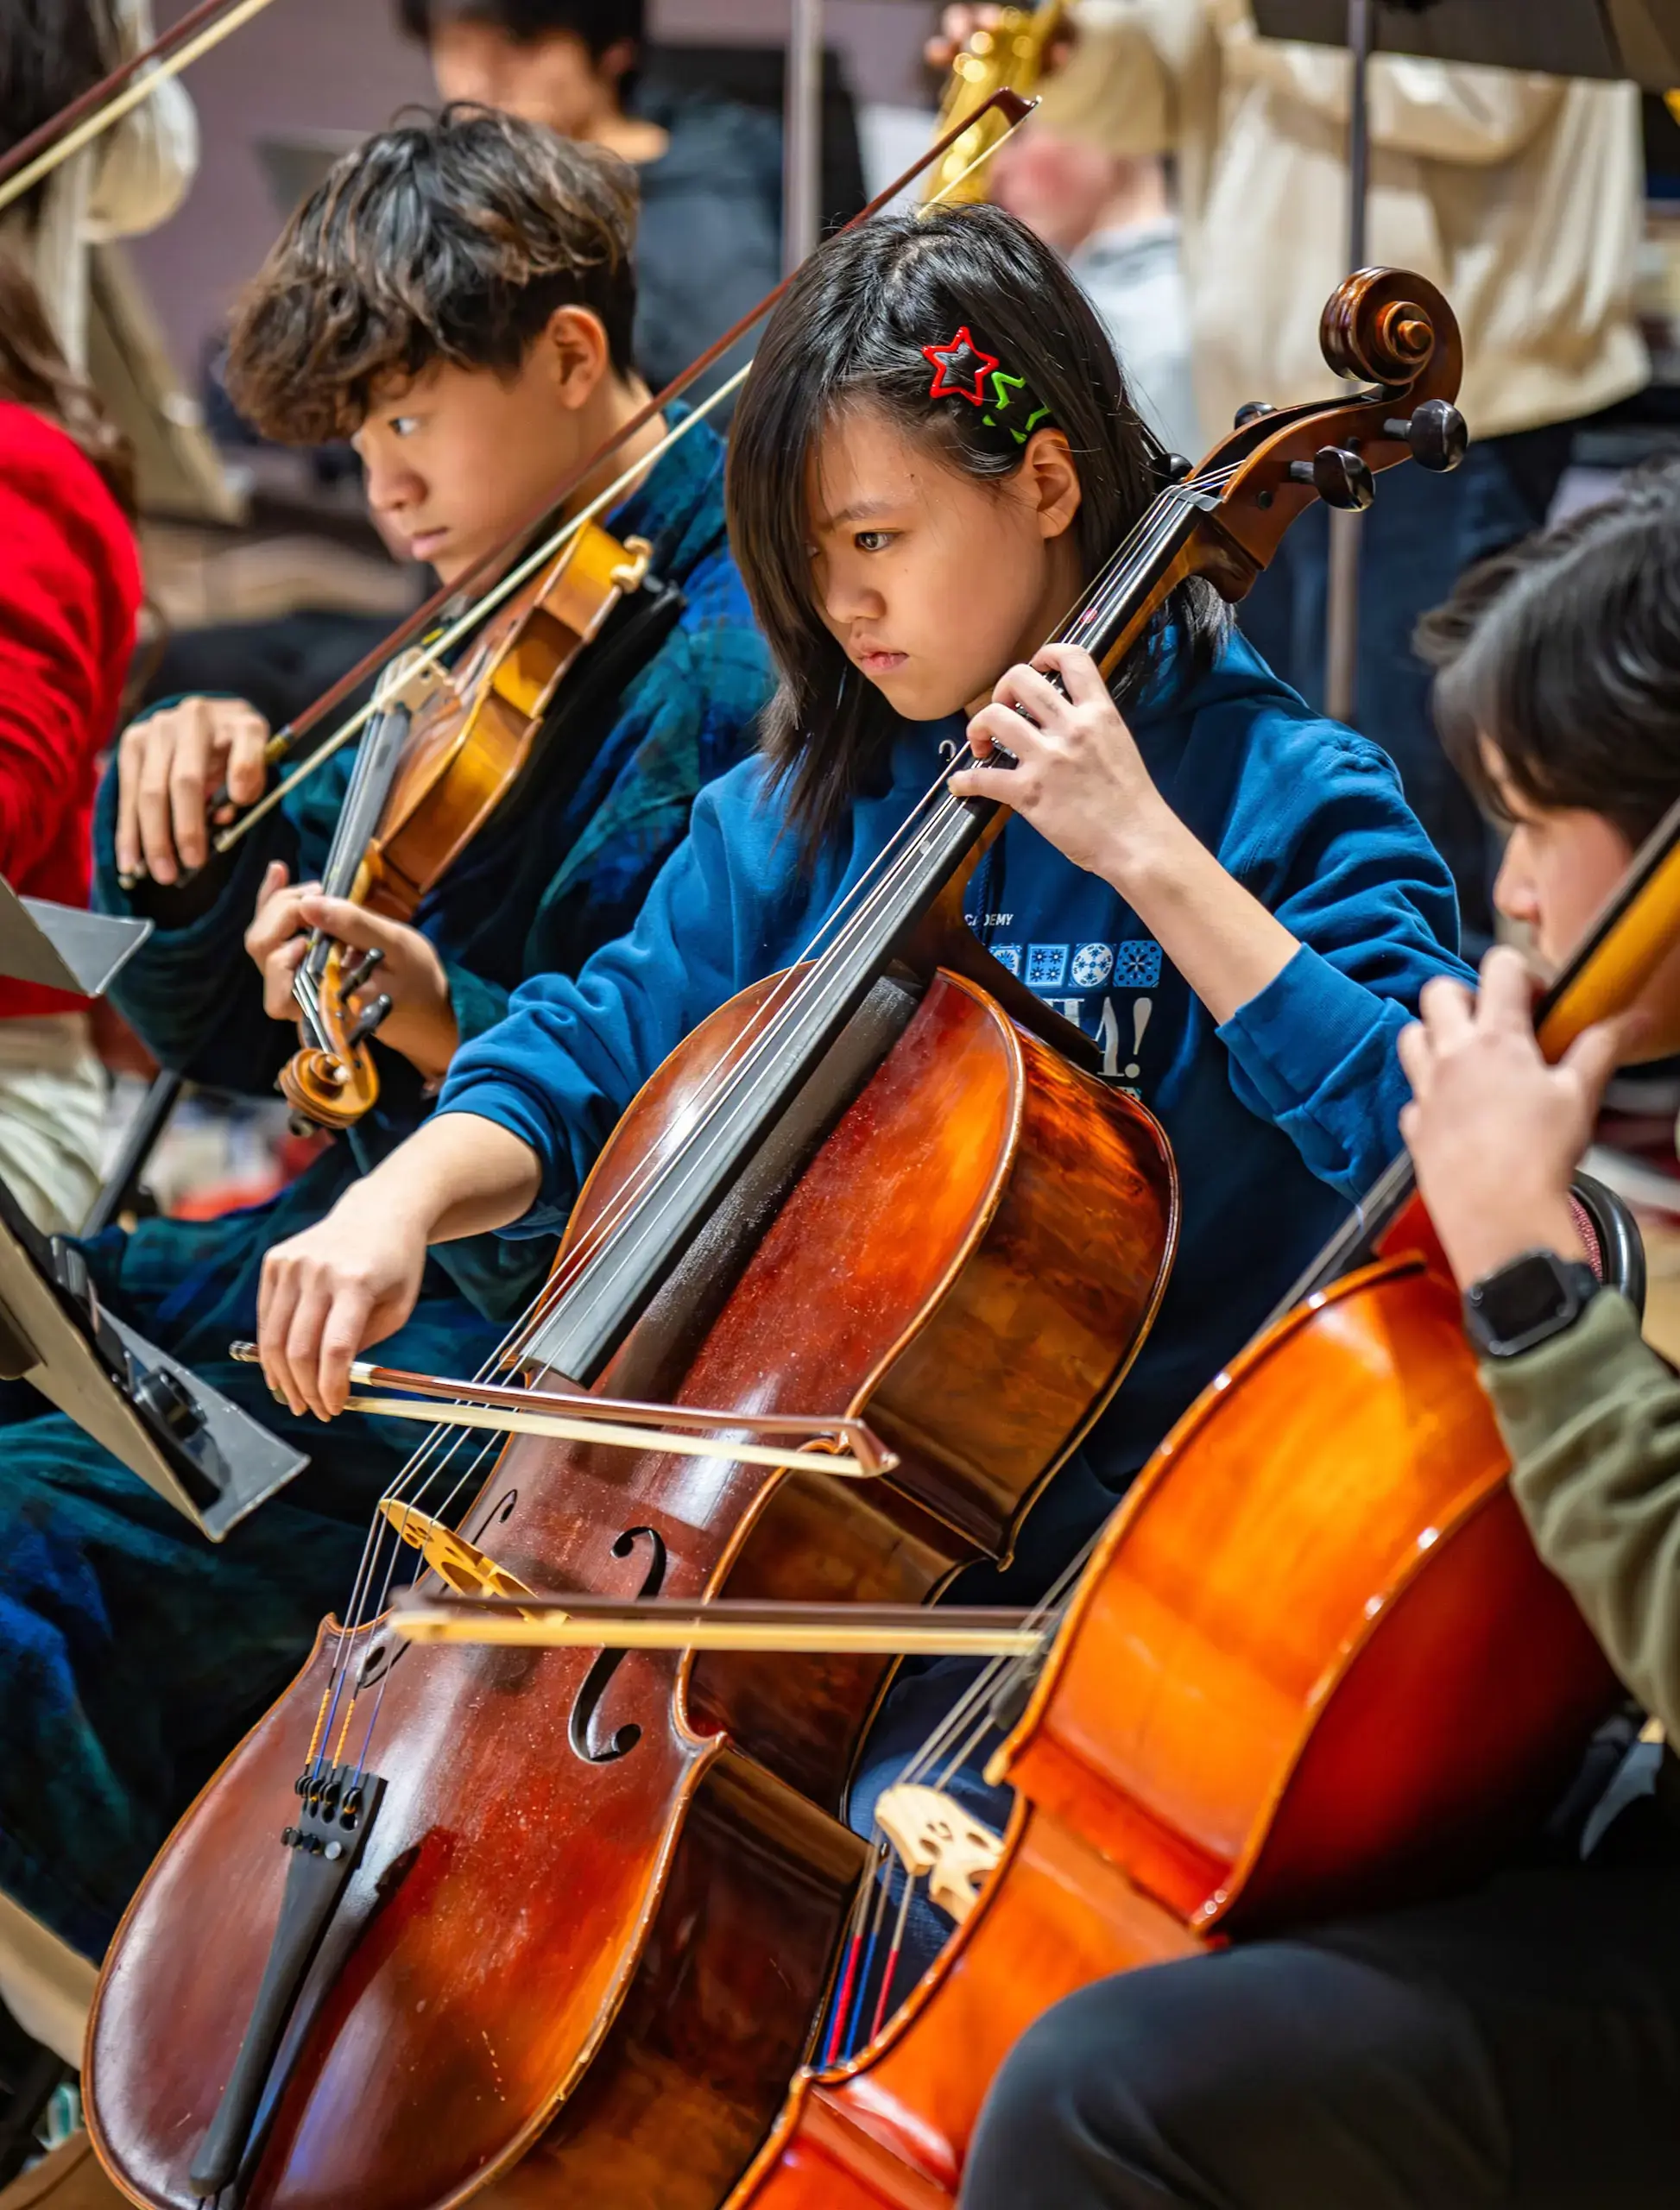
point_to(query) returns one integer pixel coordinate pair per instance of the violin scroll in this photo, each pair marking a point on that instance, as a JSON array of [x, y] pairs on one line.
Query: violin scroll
[[333, 1082]]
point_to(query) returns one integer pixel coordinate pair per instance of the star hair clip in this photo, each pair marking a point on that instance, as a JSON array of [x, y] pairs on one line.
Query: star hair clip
[[962, 369]]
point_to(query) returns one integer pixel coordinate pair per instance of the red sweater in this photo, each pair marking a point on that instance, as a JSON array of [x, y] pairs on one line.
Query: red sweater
[[69, 593]]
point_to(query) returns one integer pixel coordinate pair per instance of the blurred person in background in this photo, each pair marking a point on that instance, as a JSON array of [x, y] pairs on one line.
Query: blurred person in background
[[130, 179], [1110, 217], [1520, 196], [708, 237], [69, 596]]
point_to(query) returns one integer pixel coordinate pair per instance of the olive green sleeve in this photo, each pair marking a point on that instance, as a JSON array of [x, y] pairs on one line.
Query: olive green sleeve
[[1593, 1420]]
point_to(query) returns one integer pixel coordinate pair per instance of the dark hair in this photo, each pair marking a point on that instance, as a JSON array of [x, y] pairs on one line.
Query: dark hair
[[1563, 653], [599, 23], [452, 239], [850, 332], [34, 373], [51, 52]]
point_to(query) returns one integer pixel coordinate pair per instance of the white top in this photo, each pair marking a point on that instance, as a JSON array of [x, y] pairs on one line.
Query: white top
[[1520, 196]]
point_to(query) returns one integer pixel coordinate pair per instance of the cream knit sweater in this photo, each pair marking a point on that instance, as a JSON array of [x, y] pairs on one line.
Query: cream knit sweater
[[1521, 197]]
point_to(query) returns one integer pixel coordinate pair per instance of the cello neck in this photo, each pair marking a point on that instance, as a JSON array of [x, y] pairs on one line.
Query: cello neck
[[603, 1296]]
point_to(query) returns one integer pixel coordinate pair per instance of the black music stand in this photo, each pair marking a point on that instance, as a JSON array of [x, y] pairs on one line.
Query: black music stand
[[1639, 39], [211, 1460]]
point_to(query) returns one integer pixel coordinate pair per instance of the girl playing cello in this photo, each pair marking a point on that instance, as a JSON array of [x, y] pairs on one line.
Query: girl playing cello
[[1227, 892]]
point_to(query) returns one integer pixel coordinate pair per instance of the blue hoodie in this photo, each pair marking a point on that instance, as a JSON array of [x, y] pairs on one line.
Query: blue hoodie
[[1278, 1119]]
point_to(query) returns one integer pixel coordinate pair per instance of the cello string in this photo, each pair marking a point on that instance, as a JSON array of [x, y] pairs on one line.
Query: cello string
[[1148, 536], [411, 1472], [887, 883], [760, 1038]]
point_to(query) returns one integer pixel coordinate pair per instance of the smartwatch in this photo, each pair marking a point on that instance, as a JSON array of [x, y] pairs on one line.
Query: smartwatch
[[1527, 1302]]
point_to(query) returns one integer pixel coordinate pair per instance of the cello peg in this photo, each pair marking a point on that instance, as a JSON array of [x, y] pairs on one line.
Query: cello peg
[[368, 1019], [1340, 478], [359, 974], [1436, 433], [1252, 411]]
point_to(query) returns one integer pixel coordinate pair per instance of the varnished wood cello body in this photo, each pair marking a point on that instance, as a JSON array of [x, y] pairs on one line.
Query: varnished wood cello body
[[1315, 1665], [582, 1914], [530, 1904]]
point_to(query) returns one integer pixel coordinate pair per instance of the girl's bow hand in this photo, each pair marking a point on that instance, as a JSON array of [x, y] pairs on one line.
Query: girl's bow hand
[[1080, 780], [1494, 1132]]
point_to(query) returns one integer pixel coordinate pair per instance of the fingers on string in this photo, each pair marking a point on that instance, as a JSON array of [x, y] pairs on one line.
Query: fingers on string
[[345, 921], [1082, 679], [1597, 1052]]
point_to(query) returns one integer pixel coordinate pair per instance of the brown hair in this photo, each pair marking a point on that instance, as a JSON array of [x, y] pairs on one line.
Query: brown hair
[[34, 373], [453, 239], [1563, 654]]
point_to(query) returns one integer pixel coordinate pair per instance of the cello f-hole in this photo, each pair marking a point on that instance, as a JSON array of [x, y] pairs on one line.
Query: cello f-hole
[[581, 1727]]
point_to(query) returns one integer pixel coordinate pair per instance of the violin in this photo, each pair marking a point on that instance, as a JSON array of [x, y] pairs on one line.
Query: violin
[[873, 1186], [444, 754]]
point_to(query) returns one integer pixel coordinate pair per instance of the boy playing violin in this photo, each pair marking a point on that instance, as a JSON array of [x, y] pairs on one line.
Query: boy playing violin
[[1517, 2045], [459, 297]]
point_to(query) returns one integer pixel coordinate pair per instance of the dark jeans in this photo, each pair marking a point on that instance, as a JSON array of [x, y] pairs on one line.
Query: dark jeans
[[1516, 2048], [1415, 543]]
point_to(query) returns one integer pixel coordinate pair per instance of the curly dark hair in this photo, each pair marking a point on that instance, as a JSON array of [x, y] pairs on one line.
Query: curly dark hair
[[1563, 653], [451, 239], [849, 333]]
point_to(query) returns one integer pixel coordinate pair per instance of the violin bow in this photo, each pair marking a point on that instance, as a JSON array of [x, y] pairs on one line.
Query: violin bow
[[92, 112], [1016, 112]]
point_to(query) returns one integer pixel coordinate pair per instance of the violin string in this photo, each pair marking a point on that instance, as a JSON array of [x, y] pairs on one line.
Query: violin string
[[1151, 532], [431, 653]]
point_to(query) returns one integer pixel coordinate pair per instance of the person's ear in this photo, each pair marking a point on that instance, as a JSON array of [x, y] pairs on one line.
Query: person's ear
[[1050, 481], [573, 349], [616, 61]]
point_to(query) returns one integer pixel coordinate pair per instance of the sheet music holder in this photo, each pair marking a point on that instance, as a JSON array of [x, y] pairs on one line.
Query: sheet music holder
[[1638, 39], [62, 945], [198, 1450]]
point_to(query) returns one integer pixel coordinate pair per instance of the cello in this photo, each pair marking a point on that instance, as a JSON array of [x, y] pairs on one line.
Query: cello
[[646, 1849], [1314, 1665]]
